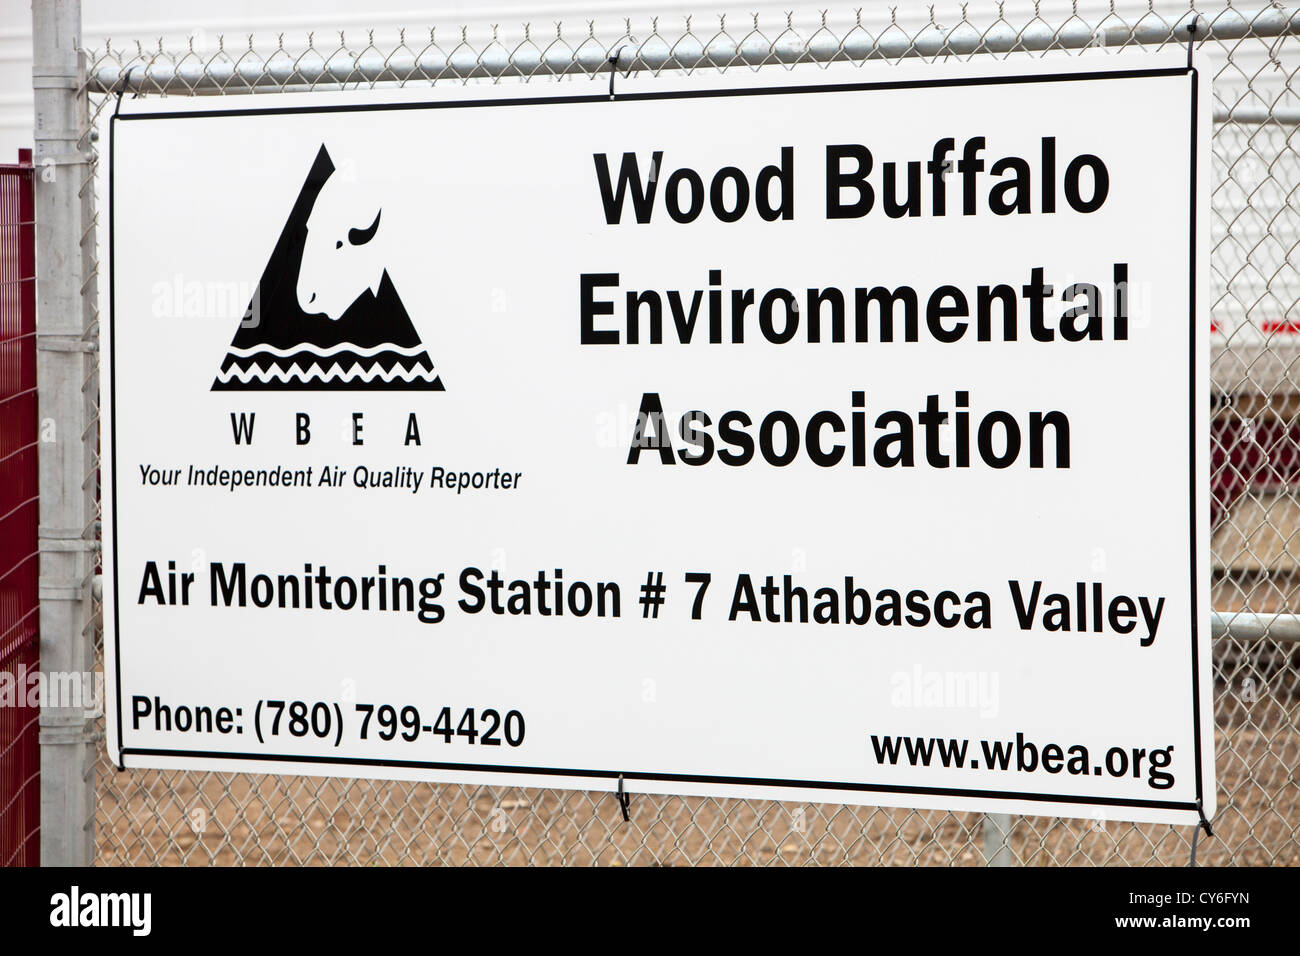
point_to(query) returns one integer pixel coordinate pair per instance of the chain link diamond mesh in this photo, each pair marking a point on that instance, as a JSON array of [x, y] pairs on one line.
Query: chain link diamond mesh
[[174, 817]]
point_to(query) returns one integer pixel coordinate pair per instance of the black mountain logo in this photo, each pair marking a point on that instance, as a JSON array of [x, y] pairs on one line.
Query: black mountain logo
[[372, 345]]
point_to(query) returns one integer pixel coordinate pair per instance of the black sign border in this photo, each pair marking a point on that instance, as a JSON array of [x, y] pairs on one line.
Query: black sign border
[[632, 775]]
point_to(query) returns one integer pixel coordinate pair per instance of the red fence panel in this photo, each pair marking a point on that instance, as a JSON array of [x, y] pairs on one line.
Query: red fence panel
[[19, 516]]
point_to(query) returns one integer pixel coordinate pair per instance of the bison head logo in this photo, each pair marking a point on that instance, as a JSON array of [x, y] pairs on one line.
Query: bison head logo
[[344, 254], [326, 315]]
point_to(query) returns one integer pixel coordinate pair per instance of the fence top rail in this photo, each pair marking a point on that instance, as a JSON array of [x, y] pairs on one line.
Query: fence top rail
[[236, 70]]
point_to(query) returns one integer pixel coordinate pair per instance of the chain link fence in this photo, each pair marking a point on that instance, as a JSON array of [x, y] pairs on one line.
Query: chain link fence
[[170, 817]]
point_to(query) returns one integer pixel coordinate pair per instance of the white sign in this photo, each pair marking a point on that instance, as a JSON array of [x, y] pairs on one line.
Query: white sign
[[839, 442]]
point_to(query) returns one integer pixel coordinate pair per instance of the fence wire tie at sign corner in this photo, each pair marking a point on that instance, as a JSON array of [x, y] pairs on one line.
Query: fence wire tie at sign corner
[[196, 817]]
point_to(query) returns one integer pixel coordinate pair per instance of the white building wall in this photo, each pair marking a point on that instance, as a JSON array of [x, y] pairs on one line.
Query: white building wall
[[123, 23]]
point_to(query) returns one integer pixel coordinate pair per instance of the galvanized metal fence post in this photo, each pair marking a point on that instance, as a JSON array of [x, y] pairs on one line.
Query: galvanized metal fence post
[[67, 764], [997, 840]]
